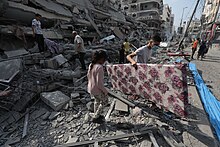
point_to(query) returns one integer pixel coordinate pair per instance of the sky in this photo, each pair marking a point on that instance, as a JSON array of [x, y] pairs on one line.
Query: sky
[[177, 9]]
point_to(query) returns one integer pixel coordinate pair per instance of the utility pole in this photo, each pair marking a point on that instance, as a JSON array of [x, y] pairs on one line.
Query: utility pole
[[181, 42]]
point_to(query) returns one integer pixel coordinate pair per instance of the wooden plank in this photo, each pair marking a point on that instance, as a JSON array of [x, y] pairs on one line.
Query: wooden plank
[[150, 129], [119, 97], [153, 139]]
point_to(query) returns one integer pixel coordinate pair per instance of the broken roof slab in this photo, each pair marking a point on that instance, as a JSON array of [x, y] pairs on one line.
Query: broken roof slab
[[16, 53], [9, 69], [51, 6], [79, 3], [26, 11]]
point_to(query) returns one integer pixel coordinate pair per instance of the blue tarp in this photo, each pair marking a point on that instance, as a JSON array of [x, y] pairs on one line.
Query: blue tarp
[[210, 102]]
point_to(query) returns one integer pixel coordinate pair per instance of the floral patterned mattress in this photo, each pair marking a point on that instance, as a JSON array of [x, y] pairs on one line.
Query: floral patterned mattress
[[166, 85]]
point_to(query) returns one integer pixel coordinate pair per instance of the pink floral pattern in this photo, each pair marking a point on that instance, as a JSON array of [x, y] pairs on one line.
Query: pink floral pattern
[[163, 84]]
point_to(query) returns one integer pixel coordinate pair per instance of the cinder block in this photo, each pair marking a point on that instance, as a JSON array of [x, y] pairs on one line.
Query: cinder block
[[55, 100]]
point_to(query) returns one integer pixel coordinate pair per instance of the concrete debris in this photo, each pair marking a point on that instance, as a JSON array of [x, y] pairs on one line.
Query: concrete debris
[[75, 95], [55, 100], [62, 74], [26, 119], [16, 53], [9, 69], [61, 60], [120, 106]]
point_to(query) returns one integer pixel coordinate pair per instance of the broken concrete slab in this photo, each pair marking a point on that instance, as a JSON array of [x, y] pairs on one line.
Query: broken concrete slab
[[60, 59], [55, 100], [120, 106], [62, 74], [53, 7], [9, 69], [51, 63], [16, 53], [23, 10]]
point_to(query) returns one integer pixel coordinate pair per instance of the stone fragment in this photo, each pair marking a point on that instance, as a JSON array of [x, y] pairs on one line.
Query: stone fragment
[[53, 115], [55, 100], [75, 95]]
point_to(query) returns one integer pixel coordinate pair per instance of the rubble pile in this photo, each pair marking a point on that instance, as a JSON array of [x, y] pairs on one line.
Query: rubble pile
[[48, 105]]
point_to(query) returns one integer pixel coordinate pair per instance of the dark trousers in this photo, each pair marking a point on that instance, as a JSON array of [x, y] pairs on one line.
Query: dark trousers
[[121, 57], [193, 52], [40, 41], [80, 56]]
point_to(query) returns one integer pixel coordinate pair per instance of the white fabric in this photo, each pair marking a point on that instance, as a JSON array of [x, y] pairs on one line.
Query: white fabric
[[143, 54], [79, 40], [37, 26]]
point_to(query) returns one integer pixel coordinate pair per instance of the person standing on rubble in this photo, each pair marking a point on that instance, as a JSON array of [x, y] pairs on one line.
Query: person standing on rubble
[[96, 84], [37, 32], [79, 48], [143, 54], [194, 47]]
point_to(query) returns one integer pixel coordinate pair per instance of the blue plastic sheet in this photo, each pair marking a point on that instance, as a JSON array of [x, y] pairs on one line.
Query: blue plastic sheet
[[210, 102]]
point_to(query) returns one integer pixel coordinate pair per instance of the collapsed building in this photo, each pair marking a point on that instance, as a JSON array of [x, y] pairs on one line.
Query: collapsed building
[[93, 19]]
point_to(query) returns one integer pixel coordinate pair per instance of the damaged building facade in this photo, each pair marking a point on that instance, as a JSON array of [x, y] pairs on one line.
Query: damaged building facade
[[146, 11]]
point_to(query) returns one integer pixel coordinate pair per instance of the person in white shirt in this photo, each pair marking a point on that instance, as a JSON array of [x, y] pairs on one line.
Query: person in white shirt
[[143, 54], [79, 48], [37, 32]]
